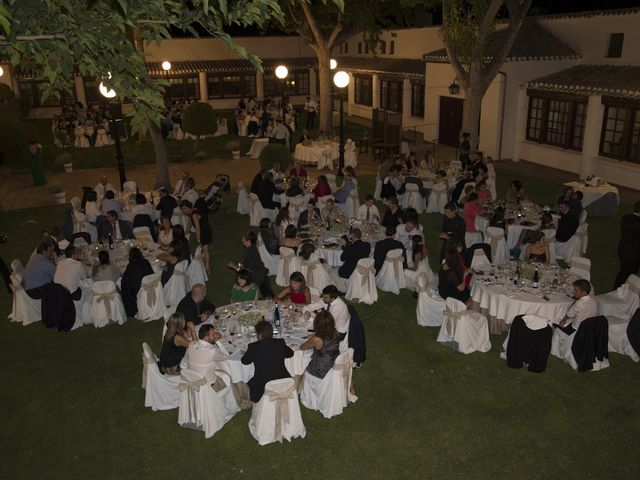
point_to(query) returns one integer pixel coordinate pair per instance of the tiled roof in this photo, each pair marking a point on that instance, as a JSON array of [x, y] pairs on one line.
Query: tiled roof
[[592, 13], [534, 42], [191, 67], [408, 67], [610, 80]]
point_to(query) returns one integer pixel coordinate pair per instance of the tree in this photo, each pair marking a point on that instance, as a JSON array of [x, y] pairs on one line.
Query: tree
[[103, 39], [469, 34], [199, 119]]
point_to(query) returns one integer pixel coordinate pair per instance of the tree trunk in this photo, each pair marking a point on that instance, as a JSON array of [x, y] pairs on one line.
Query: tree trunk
[[471, 116], [326, 91], [162, 158]]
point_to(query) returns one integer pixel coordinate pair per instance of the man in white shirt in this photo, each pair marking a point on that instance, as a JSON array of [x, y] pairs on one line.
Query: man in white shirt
[[109, 203], [70, 272], [190, 193], [368, 212], [103, 187], [311, 107], [329, 300], [278, 174], [585, 306], [281, 133], [405, 231]]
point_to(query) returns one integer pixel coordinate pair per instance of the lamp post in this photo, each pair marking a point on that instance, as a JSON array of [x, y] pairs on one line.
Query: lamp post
[[110, 94], [341, 80], [282, 72], [1, 71], [166, 66], [333, 64]]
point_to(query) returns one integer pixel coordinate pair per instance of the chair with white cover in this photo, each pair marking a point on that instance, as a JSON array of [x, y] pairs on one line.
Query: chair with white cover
[[583, 236], [270, 260], [378, 190], [331, 180], [457, 164], [323, 200], [390, 278], [562, 345], [201, 407], [331, 394], [26, 310], [582, 218], [179, 218], [412, 198], [196, 271], [289, 262], [106, 306], [575, 246], [150, 298], [362, 283], [471, 238], [494, 236], [244, 203], [430, 308], [464, 330], [222, 128], [161, 391], [325, 160], [350, 207], [129, 187], [143, 234], [350, 154], [620, 329], [177, 286], [622, 302], [491, 185], [297, 205], [581, 267], [438, 198], [277, 415], [257, 212], [479, 260], [411, 276], [550, 240], [314, 273]]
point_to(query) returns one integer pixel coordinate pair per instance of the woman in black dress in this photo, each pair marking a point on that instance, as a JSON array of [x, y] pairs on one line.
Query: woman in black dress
[[452, 280], [200, 221], [171, 257], [175, 343], [137, 268]]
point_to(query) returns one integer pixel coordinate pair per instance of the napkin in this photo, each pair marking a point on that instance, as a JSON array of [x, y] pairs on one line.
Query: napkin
[[622, 290], [534, 322]]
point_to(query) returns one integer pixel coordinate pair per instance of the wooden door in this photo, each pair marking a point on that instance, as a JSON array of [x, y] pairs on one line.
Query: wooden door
[[450, 121]]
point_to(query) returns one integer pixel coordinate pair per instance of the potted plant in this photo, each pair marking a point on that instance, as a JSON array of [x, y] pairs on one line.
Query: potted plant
[[234, 147], [58, 192], [66, 160]]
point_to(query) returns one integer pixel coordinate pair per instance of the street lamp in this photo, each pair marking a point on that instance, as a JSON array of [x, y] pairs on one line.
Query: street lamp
[[110, 94], [282, 72], [341, 80], [333, 64], [1, 71], [166, 66]]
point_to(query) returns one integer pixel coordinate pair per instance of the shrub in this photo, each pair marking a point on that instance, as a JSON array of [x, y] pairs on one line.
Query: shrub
[[275, 152], [199, 119], [233, 146]]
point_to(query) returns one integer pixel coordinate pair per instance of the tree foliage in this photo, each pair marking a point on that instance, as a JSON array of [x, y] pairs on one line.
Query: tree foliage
[[275, 152], [199, 119]]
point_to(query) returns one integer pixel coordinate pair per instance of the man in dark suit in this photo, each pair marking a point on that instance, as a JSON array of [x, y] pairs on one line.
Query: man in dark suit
[[629, 246], [453, 227], [195, 306], [352, 252], [309, 214], [253, 262], [385, 246], [119, 229], [267, 356], [167, 204], [567, 223]]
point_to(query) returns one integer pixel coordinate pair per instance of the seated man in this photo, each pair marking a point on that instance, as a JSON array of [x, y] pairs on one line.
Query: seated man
[[39, 271], [294, 188], [385, 246], [267, 355], [405, 231], [103, 187], [331, 212], [167, 203], [70, 272], [310, 214], [109, 203], [353, 251], [393, 214], [278, 174], [190, 193], [342, 193], [119, 229], [585, 306], [329, 300], [195, 306], [203, 354], [368, 212], [567, 223]]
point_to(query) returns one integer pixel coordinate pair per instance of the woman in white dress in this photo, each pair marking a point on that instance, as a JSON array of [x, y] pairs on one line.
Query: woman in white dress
[[418, 263], [166, 233]]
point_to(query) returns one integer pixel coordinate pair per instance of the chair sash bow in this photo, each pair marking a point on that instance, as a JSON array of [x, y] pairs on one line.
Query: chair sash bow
[[282, 407], [106, 298], [493, 240], [634, 288], [452, 320], [185, 278], [286, 264], [365, 272], [194, 385], [580, 264], [396, 262], [150, 289]]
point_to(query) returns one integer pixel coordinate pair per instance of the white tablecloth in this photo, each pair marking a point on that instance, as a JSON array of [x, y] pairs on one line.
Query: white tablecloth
[[256, 147], [513, 231], [504, 304], [591, 194], [312, 154]]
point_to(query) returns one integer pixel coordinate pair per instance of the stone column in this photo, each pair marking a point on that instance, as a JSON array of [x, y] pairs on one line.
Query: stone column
[[375, 94], [521, 122], [592, 132], [260, 85], [406, 102], [204, 88], [351, 94], [79, 85]]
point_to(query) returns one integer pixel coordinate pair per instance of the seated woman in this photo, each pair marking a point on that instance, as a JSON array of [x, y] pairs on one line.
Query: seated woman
[[325, 343], [175, 343], [244, 290], [137, 268], [294, 189], [468, 190], [419, 263], [297, 291], [322, 188], [516, 192], [290, 239], [297, 170], [269, 237], [142, 207], [106, 271], [171, 257], [537, 250], [452, 280], [546, 223], [484, 194], [283, 220], [498, 219], [180, 237], [166, 232]]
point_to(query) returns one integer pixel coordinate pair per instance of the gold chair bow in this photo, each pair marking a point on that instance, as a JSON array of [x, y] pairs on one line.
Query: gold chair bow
[[185, 277], [106, 298], [452, 320], [634, 289], [397, 265], [493, 239], [193, 385], [150, 289], [286, 264], [423, 288], [282, 406], [365, 272]]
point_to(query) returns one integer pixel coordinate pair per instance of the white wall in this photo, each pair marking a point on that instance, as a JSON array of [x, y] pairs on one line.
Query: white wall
[[550, 156], [626, 174], [409, 43]]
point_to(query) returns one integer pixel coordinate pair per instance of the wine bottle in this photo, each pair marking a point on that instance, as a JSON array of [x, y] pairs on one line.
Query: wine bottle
[[110, 240], [554, 283], [536, 278]]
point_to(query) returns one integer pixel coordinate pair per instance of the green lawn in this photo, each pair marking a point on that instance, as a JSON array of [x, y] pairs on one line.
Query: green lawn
[[73, 406]]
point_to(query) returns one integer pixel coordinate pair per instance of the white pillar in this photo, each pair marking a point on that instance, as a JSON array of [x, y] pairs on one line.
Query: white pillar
[[521, 122], [406, 102], [592, 132], [260, 85], [313, 88], [351, 94], [375, 94], [79, 85], [204, 88]]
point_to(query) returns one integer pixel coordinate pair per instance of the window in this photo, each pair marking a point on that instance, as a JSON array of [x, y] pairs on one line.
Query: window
[[91, 92], [391, 95], [557, 120], [392, 47], [184, 87], [33, 91], [298, 83], [366, 47], [231, 86], [615, 45], [383, 47], [417, 99], [346, 47], [621, 132], [359, 48], [363, 89]]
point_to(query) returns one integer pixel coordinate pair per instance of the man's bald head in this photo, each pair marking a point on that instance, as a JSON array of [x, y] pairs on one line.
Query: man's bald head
[[198, 292]]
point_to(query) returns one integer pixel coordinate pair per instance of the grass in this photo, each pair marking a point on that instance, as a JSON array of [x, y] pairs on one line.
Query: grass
[[73, 406]]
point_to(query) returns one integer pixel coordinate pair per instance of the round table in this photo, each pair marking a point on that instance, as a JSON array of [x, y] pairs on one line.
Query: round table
[[312, 154], [256, 147]]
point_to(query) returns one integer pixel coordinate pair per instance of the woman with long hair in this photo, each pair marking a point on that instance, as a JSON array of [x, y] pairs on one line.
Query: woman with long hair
[[297, 291], [166, 232], [171, 257], [290, 238], [322, 188], [452, 280], [175, 343], [138, 268], [244, 289], [325, 343], [537, 250], [419, 264], [180, 236]]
